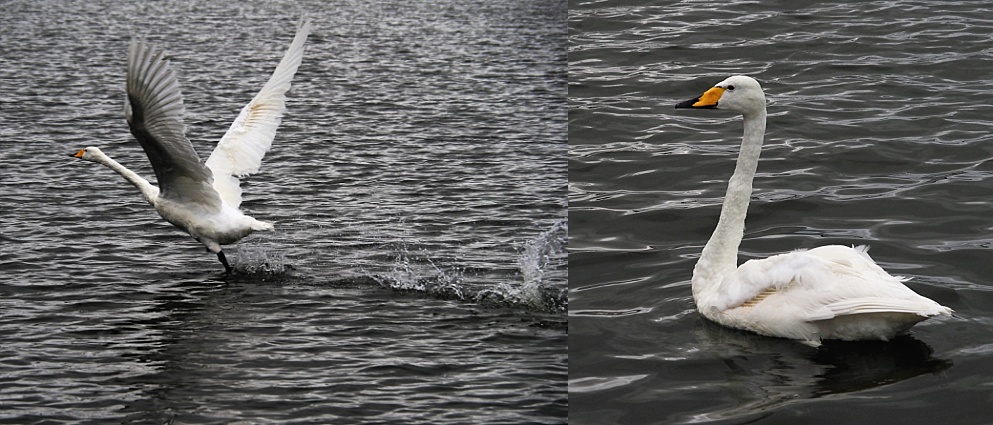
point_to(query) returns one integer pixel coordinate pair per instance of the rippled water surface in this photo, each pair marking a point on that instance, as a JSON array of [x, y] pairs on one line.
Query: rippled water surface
[[880, 132], [418, 187]]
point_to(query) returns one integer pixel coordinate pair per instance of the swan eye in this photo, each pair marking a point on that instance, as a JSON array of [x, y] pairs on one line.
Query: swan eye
[[731, 88]]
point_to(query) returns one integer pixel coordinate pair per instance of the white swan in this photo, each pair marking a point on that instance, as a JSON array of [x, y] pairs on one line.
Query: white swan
[[829, 292], [202, 199]]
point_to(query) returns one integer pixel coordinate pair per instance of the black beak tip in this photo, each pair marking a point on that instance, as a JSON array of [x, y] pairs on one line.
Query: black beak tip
[[692, 104], [687, 104]]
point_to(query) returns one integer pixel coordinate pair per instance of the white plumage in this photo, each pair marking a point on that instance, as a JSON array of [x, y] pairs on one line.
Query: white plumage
[[203, 199], [240, 151], [829, 292]]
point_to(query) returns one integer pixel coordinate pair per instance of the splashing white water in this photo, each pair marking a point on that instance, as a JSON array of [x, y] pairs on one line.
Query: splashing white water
[[257, 260], [541, 258], [543, 266], [420, 273], [542, 271]]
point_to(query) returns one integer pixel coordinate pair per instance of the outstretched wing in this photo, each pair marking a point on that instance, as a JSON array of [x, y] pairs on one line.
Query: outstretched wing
[[240, 151], [154, 110]]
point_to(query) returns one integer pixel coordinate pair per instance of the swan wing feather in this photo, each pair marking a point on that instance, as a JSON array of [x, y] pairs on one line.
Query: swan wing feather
[[154, 111], [869, 305], [241, 149], [758, 276], [826, 282]]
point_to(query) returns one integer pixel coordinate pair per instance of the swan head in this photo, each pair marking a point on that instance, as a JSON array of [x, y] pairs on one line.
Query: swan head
[[739, 94], [89, 154]]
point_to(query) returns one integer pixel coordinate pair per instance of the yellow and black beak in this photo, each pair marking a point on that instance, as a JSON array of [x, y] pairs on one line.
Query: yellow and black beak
[[708, 100], [78, 154]]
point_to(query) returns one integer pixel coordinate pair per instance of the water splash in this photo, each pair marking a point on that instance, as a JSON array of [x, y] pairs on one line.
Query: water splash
[[420, 273], [542, 272], [543, 267], [260, 261]]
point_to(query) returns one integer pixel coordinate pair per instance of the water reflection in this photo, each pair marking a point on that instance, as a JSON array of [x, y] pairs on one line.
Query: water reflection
[[764, 374]]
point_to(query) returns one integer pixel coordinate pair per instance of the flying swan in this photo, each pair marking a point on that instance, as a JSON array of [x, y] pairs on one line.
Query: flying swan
[[202, 199], [829, 292]]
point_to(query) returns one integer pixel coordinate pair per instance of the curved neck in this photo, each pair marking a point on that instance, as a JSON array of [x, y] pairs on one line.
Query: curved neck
[[147, 190], [720, 255]]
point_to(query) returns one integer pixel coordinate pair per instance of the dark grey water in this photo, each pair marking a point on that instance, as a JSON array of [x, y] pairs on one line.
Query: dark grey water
[[417, 183], [879, 133]]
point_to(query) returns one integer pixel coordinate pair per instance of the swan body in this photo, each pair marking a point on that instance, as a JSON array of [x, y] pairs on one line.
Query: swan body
[[829, 292], [202, 199]]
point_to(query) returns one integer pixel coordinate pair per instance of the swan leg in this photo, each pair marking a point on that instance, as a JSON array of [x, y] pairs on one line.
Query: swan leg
[[224, 261]]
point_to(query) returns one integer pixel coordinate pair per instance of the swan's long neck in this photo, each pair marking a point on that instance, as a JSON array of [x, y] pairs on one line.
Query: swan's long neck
[[720, 255], [147, 190]]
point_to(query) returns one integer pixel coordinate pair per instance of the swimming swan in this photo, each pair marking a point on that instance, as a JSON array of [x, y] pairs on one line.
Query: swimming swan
[[829, 292], [202, 199]]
